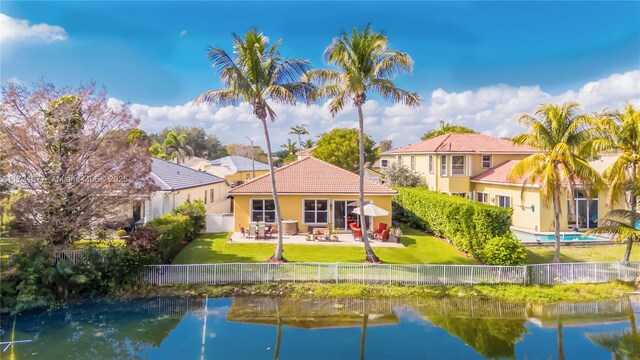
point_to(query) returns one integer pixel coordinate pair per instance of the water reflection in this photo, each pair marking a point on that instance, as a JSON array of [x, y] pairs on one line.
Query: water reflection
[[256, 327]]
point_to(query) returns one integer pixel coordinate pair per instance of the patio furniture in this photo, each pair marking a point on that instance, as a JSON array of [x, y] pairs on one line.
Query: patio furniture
[[269, 232], [289, 227], [384, 235], [321, 233], [357, 235], [242, 232], [252, 230], [381, 227], [261, 231]]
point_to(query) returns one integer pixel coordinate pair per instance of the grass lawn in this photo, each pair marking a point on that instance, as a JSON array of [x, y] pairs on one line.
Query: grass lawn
[[541, 255], [420, 249]]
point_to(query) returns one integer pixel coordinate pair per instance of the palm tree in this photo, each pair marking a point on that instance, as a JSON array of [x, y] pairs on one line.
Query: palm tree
[[619, 132], [563, 138], [176, 146], [255, 74], [447, 128], [299, 130], [290, 147], [365, 64], [307, 144]]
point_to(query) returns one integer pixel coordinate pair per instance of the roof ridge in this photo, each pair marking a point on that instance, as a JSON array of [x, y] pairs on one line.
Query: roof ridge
[[269, 173], [338, 167], [162, 181], [188, 168]]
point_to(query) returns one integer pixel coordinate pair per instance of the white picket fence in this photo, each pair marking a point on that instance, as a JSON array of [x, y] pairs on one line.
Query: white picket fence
[[582, 273], [74, 256]]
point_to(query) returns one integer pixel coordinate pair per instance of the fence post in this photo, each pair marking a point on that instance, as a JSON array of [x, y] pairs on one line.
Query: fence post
[[500, 275], [188, 274], [294, 272], [549, 274], [417, 273], [572, 273], [363, 273], [337, 266], [472, 268], [241, 272], [525, 275]]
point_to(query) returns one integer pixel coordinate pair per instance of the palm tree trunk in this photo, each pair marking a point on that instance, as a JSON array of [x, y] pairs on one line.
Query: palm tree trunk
[[556, 220], [363, 335], [371, 256], [278, 253], [633, 202]]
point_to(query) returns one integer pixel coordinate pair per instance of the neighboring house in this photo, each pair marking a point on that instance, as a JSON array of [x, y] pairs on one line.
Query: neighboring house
[[476, 166], [237, 169], [178, 184], [305, 153], [312, 192]]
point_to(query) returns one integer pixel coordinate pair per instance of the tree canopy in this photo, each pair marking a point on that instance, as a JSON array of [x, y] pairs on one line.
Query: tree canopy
[[340, 147], [447, 128], [204, 145]]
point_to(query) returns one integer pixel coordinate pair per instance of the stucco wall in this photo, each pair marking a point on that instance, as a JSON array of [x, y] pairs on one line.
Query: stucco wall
[[163, 202]]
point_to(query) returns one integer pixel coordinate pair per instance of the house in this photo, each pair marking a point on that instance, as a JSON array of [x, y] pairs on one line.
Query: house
[[371, 173], [178, 184], [237, 169], [476, 166], [312, 192]]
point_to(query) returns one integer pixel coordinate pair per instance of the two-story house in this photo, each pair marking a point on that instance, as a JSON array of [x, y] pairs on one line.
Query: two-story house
[[477, 166]]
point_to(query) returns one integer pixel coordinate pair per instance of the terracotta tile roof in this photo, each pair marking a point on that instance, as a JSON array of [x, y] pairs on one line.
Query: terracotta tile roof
[[498, 174], [311, 176], [464, 143], [306, 152]]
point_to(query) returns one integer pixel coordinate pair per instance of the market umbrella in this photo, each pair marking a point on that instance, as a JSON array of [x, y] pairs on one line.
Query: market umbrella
[[372, 210]]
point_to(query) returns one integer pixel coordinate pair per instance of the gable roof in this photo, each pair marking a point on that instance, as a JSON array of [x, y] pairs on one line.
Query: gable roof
[[498, 174], [311, 176], [239, 163], [306, 152], [169, 176], [464, 143]]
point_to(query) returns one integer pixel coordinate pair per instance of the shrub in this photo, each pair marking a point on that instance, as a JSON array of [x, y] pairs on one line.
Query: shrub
[[121, 234], [101, 234], [504, 250], [400, 175], [468, 224], [172, 231], [197, 214]]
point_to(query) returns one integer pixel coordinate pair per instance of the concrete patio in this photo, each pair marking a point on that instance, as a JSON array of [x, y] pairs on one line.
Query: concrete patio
[[301, 239]]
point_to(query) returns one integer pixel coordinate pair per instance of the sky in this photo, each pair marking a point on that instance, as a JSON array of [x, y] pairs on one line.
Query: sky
[[477, 64]]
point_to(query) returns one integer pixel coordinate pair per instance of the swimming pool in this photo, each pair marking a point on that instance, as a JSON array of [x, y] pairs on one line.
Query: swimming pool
[[546, 237]]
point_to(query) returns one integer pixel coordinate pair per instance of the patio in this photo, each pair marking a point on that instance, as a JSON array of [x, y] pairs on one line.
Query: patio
[[344, 239]]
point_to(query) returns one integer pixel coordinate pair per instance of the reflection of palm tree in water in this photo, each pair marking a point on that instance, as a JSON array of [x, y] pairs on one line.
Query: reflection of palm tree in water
[[560, 347], [622, 346], [363, 334], [276, 352]]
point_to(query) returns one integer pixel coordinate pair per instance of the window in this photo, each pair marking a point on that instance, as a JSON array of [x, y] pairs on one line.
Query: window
[[247, 177], [413, 162], [205, 196], [384, 163], [399, 159], [482, 197], [503, 201], [430, 164], [443, 165], [188, 197], [486, 161], [457, 165], [316, 211], [211, 196], [263, 210]]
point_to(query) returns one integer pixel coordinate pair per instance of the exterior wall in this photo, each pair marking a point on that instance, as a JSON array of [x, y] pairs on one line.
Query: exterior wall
[[241, 176], [523, 216], [292, 208], [163, 202]]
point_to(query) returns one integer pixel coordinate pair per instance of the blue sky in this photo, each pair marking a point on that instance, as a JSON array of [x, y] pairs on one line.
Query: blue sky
[[135, 49]]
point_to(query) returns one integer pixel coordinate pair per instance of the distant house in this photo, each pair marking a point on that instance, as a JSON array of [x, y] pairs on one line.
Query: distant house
[[178, 184], [305, 153], [234, 169], [311, 192]]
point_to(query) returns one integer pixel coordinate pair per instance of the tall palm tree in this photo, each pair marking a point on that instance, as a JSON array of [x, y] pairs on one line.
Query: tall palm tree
[[619, 132], [175, 146], [563, 138], [366, 64], [257, 73], [299, 130]]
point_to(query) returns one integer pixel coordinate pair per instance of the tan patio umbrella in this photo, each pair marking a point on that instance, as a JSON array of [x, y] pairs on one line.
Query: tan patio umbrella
[[372, 210]]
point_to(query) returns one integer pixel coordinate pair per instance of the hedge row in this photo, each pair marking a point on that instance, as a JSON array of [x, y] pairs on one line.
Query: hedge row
[[468, 224], [174, 230]]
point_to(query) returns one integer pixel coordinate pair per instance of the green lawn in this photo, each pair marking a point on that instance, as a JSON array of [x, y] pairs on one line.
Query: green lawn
[[420, 249], [541, 255]]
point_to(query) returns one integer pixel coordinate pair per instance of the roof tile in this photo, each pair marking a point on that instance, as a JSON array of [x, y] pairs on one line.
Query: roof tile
[[464, 143]]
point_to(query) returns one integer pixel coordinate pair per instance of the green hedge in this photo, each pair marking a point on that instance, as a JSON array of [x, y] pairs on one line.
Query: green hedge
[[468, 224]]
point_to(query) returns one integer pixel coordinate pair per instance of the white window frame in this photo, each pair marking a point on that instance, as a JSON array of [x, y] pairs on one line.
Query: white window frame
[[443, 166], [455, 167], [264, 210], [413, 162], [482, 161], [482, 197], [384, 163], [212, 197], [315, 217], [501, 197], [430, 164]]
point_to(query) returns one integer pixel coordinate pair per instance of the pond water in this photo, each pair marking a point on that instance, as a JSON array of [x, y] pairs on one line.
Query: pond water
[[268, 328]]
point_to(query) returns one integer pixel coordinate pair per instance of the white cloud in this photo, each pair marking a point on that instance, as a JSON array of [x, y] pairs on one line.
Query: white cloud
[[12, 29], [183, 33], [492, 110]]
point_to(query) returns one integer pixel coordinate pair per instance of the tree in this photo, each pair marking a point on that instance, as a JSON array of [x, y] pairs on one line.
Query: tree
[[175, 147], [620, 132], [299, 130], [447, 128], [563, 138], [400, 175], [245, 151], [308, 144], [290, 147], [258, 73], [366, 64], [72, 156], [203, 144], [340, 147], [385, 145]]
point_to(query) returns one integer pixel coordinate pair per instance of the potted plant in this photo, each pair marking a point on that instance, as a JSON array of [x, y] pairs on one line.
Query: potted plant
[[394, 234]]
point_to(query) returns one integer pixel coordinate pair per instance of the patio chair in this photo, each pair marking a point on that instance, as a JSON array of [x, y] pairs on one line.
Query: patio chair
[[381, 227], [261, 232], [252, 231], [384, 235], [357, 235], [269, 232]]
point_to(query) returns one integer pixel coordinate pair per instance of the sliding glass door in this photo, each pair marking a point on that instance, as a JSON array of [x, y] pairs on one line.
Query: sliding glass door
[[343, 214]]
